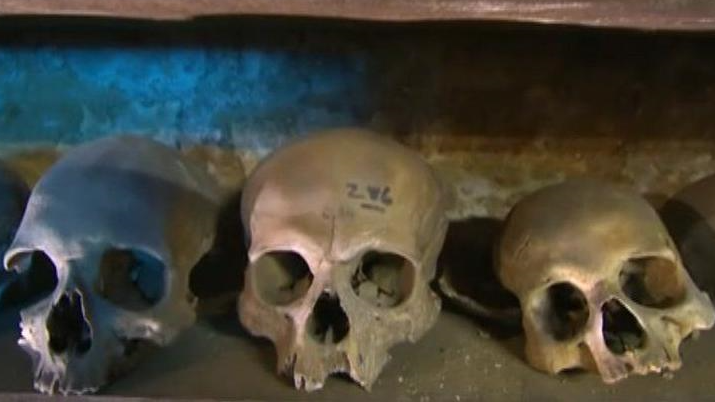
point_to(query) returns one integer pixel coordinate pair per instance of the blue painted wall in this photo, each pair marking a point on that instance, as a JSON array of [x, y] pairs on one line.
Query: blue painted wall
[[239, 96]]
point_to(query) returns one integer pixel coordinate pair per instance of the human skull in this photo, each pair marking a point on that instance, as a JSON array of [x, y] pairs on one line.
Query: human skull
[[121, 221], [344, 228], [690, 218], [599, 280]]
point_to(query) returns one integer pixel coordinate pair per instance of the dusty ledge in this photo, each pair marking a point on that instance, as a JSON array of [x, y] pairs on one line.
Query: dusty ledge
[[641, 14]]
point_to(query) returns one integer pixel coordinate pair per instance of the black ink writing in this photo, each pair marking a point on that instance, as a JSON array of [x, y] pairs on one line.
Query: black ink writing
[[379, 196], [385, 196], [372, 207], [353, 191]]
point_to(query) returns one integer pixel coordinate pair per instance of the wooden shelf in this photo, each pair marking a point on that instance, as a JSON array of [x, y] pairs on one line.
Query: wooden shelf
[[642, 14]]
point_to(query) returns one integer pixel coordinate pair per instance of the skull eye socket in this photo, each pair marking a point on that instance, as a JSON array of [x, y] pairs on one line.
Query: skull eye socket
[[383, 279], [35, 279], [281, 277], [563, 310], [131, 279], [652, 282]]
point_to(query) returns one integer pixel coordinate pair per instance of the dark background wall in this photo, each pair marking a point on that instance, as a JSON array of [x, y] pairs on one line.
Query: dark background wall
[[252, 82]]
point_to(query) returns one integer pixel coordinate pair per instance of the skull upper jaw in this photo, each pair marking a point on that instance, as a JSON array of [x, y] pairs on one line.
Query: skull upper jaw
[[113, 345], [77, 339], [361, 355], [310, 364], [69, 368], [663, 330], [360, 352], [363, 350]]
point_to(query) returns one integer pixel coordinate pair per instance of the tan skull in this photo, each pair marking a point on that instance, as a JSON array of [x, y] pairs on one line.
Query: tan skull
[[344, 229], [600, 283]]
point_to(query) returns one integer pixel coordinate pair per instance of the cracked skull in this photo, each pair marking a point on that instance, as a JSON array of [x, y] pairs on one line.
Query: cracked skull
[[344, 228], [600, 282], [120, 221]]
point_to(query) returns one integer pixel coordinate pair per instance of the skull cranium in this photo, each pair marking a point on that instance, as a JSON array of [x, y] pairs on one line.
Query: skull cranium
[[600, 282], [121, 221], [345, 228]]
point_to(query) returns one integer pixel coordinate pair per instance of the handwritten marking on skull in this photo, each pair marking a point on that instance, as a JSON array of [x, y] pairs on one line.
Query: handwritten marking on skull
[[353, 191], [378, 195], [372, 207]]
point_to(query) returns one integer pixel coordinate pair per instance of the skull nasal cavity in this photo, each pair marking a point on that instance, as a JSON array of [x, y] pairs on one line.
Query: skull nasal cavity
[[652, 282], [563, 310], [621, 330], [281, 277], [328, 323], [383, 279], [67, 326], [131, 279]]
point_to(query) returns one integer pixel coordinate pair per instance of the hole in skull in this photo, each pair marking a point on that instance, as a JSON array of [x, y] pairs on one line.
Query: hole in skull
[[67, 326], [131, 279], [564, 310], [572, 371], [36, 280], [281, 277], [621, 330], [134, 346], [383, 279], [328, 323], [134, 350], [652, 282]]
